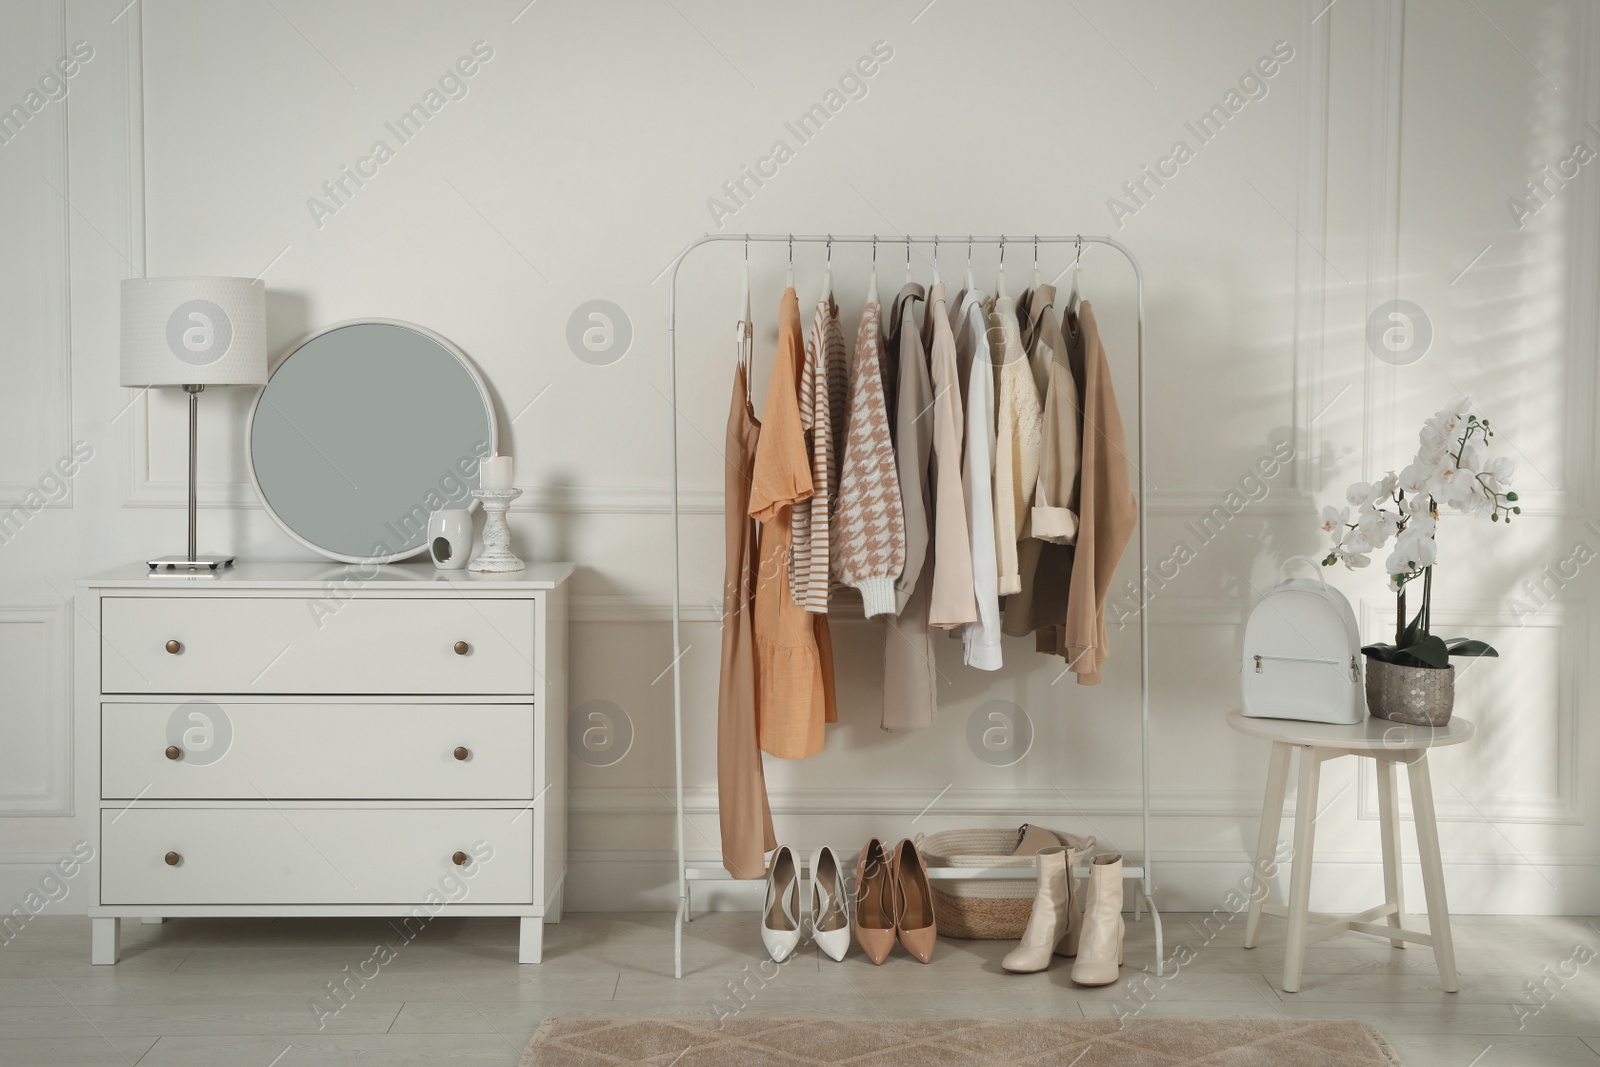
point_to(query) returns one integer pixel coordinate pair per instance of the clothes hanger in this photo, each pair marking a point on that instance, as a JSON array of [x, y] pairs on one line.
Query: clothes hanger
[[1075, 294], [872, 284], [827, 277], [789, 284], [908, 259], [1036, 261], [971, 285], [744, 296], [936, 279], [746, 327], [1000, 275]]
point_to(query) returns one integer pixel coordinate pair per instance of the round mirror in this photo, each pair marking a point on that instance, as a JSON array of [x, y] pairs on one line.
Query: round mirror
[[362, 431]]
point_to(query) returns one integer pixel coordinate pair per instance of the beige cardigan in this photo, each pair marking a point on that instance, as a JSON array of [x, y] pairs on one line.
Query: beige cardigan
[[1047, 351], [954, 601], [1016, 459]]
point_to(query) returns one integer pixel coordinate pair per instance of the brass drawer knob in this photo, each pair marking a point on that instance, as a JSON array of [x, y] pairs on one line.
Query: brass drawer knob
[[174, 646], [462, 648], [174, 752], [462, 752], [459, 859], [173, 859]]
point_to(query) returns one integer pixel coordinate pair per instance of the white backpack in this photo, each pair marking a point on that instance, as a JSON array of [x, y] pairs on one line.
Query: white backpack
[[1302, 653]]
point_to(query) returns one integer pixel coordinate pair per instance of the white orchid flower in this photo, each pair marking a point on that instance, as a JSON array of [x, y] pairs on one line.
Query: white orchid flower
[[1334, 521], [1450, 482], [1458, 403], [1353, 560], [1385, 487], [1502, 469], [1422, 525], [1359, 494], [1411, 554], [1377, 526]]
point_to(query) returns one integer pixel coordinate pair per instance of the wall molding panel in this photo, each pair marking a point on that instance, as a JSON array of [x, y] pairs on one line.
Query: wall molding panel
[[51, 617], [53, 191]]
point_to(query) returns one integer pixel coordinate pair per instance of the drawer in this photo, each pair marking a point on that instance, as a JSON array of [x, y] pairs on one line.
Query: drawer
[[315, 645], [292, 855], [316, 751]]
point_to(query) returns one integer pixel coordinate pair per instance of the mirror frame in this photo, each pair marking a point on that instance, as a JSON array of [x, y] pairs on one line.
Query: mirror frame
[[249, 424]]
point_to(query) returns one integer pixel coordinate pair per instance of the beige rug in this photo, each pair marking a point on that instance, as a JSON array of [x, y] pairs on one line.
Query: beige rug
[[751, 1042]]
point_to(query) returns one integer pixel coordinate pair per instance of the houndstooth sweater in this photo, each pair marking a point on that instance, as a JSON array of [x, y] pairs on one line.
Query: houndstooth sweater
[[870, 525]]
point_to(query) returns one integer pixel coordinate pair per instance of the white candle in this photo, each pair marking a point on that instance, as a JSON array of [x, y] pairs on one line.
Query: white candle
[[494, 474]]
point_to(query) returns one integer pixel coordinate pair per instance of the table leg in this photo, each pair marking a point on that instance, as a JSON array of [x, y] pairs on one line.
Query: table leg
[[1389, 825], [1266, 865], [1444, 950], [1305, 821]]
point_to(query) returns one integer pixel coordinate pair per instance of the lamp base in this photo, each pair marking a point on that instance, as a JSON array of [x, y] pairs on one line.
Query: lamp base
[[202, 561]]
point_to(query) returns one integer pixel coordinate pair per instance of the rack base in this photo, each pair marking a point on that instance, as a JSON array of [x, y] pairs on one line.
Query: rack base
[[1144, 898]]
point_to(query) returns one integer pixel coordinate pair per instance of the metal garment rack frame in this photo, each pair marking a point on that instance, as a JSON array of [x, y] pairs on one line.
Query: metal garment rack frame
[[686, 873]]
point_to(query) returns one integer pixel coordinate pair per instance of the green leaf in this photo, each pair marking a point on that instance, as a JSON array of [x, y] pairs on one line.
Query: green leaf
[[1431, 651], [1468, 646], [1408, 636], [1382, 651]]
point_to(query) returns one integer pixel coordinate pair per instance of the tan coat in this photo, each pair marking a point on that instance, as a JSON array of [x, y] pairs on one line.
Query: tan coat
[[1107, 509]]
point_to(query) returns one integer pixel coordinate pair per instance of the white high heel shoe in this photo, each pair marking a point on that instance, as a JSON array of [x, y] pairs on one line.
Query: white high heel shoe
[[830, 904], [780, 919]]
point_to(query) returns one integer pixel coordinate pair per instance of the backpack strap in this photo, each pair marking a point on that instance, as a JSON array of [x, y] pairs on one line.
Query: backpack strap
[[1308, 561]]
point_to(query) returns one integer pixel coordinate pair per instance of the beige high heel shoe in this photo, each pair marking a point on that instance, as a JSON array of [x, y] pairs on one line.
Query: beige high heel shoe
[[874, 910], [1047, 924], [1100, 945], [914, 918]]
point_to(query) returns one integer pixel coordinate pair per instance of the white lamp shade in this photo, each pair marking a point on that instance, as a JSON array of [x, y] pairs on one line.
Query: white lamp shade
[[194, 331]]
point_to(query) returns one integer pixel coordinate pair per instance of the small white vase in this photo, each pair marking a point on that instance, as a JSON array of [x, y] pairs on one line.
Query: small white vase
[[450, 539]]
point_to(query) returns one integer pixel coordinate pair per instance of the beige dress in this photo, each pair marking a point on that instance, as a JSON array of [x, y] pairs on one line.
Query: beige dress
[[741, 782]]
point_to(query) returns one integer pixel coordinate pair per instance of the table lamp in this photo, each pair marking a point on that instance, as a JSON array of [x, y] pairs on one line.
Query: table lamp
[[193, 332]]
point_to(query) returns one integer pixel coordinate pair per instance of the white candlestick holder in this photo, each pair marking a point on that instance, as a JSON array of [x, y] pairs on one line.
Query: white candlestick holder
[[496, 556]]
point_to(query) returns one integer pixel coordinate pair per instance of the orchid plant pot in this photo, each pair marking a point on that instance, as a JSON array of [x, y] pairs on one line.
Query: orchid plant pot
[[1412, 680], [1418, 696]]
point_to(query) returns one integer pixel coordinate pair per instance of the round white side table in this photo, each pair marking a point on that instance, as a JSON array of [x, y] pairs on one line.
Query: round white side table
[[1389, 744]]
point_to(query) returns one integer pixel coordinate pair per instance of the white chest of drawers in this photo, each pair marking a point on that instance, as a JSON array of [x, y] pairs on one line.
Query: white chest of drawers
[[290, 739]]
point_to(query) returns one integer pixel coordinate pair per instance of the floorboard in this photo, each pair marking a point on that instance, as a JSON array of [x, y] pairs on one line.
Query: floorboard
[[304, 992]]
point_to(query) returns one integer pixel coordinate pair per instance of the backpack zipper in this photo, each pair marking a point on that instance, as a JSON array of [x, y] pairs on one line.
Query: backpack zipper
[[1355, 671]]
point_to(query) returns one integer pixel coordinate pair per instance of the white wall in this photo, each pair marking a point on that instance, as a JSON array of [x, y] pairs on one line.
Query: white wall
[[1379, 163]]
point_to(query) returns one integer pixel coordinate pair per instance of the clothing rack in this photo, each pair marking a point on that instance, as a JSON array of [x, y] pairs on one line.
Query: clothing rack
[[688, 874]]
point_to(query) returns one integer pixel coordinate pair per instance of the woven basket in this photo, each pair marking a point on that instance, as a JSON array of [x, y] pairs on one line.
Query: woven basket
[[985, 909]]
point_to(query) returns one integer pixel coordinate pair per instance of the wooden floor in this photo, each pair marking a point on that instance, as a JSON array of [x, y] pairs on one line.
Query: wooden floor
[[236, 992]]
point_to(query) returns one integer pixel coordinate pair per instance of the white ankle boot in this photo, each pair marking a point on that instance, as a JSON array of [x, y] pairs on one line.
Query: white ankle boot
[[1100, 943], [1048, 924]]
